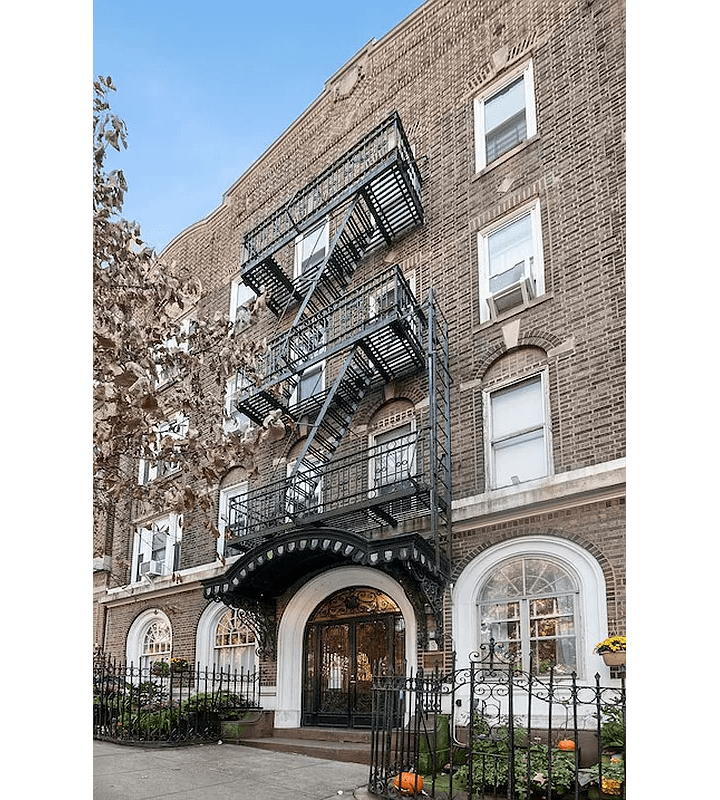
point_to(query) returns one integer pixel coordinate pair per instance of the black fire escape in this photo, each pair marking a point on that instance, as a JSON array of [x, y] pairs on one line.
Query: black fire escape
[[337, 495]]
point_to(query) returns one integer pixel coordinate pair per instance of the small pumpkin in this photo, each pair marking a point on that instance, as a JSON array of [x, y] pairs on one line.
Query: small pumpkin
[[409, 783], [566, 744]]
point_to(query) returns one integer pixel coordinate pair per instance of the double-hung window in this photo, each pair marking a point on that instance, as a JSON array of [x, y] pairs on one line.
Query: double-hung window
[[504, 116], [240, 298], [156, 549], [304, 491], [311, 249], [511, 262], [311, 380], [165, 433], [519, 447], [167, 356], [234, 420], [233, 520], [393, 459]]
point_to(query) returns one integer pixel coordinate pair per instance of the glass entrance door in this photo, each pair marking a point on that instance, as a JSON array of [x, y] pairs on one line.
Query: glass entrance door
[[340, 655]]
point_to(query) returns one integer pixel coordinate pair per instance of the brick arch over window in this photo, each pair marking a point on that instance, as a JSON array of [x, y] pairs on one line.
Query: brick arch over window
[[392, 412], [528, 340]]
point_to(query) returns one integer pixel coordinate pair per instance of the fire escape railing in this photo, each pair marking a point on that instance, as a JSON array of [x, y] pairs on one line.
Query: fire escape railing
[[381, 316], [384, 148], [377, 486]]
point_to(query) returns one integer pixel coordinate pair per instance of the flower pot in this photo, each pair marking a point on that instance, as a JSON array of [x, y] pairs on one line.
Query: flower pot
[[614, 658]]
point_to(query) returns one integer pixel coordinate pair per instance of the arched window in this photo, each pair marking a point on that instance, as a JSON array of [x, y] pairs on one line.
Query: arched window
[[529, 605], [156, 644], [541, 594], [235, 644], [149, 639]]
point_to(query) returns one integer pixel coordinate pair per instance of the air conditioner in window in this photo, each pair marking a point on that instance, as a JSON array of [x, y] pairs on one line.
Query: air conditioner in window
[[519, 293], [152, 568]]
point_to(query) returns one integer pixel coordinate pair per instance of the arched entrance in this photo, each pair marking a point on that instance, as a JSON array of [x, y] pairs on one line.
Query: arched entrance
[[345, 637]]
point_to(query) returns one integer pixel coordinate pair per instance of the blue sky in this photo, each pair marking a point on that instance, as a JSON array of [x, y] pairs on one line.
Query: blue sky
[[205, 88]]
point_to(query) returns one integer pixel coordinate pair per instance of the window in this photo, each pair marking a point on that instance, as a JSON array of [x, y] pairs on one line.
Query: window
[[156, 645], [156, 548], [152, 468], [304, 493], [392, 462], [518, 433], [311, 249], [528, 605], [505, 117], [511, 262], [233, 521], [241, 296], [166, 370], [235, 644], [234, 420], [310, 381]]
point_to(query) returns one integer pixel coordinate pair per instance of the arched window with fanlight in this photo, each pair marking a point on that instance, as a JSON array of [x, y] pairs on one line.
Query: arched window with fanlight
[[235, 648], [529, 606], [156, 644]]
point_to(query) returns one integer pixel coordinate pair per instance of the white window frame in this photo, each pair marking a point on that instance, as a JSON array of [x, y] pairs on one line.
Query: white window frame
[[524, 72], [143, 564], [591, 611], [531, 283], [321, 234], [545, 428], [176, 427], [375, 488], [317, 506], [240, 296], [234, 420], [165, 376], [318, 369], [226, 494], [136, 637], [206, 636]]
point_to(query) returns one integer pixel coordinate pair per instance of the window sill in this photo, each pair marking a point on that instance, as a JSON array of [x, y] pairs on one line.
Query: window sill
[[479, 173]]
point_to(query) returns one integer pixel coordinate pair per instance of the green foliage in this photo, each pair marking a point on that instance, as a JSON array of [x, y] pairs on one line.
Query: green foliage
[[230, 706], [612, 728], [491, 762]]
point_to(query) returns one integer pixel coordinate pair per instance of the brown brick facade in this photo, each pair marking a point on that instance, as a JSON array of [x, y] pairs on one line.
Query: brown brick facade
[[430, 69]]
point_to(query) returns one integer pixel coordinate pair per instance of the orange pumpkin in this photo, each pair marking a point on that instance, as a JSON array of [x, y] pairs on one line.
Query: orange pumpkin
[[409, 783], [566, 744]]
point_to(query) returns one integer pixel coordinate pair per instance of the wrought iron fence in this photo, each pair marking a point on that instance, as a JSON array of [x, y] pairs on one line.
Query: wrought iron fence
[[492, 731], [167, 702]]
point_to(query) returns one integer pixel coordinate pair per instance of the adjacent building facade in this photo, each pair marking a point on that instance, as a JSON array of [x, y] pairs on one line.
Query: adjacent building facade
[[439, 239]]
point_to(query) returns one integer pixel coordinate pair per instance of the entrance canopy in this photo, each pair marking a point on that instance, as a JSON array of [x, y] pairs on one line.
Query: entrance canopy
[[270, 568]]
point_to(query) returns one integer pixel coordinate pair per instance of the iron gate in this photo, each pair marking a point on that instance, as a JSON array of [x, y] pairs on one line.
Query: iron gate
[[492, 731]]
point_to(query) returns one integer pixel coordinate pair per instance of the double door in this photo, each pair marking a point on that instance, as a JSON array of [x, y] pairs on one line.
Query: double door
[[339, 659]]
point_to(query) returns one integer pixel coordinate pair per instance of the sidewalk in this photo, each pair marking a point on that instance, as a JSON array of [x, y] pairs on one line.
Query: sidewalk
[[221, 772]]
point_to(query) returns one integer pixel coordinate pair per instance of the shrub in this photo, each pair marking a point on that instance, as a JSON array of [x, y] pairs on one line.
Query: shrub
[[533, 760]]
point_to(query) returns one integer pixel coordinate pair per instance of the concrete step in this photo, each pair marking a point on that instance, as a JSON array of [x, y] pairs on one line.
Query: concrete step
[[345, 745]]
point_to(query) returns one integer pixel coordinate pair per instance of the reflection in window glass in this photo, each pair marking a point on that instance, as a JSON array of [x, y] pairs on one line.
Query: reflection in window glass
[[528, 606]]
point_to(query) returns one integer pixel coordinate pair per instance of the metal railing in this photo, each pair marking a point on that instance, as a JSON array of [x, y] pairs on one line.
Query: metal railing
[[333, 186], [492, 731], [168, 701]]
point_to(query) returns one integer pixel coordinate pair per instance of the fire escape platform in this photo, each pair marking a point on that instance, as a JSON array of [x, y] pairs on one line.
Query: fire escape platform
[[391, 337], [380, 182]]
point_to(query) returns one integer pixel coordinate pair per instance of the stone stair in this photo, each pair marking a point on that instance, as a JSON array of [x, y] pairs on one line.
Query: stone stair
[[335, 744]]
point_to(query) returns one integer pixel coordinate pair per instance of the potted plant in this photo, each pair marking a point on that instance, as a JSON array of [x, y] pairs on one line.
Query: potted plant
[[612, 729], [179, 665], [612, 650]]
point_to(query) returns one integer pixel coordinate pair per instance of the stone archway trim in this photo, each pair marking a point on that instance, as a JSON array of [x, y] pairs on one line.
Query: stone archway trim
[[291, 631]]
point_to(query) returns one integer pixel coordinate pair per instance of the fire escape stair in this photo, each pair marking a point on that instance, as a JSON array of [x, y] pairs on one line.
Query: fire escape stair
[[330, 425]]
